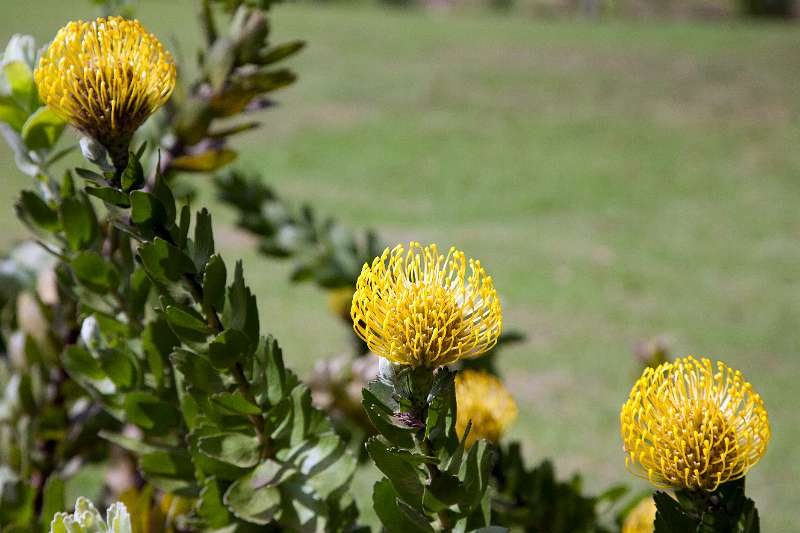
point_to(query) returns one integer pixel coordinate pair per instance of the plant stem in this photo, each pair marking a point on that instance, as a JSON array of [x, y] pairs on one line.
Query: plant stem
[[419, 399], [433, 474]]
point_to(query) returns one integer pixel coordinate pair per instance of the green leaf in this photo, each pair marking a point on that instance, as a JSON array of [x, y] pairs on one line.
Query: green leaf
[[438, 424], [235, 403], [79, 222], [236, 449], [208, 465], [158, 341], [95, 272], [20, 81], [147, 210], [211, 508], [275, 372], [90, 175], [220, 60], [171, 464], [203, 239], [395, 517], [78, 362], [140, 285], [670, 518], [67, 185], [227, 348], [250, 502], [38, 211], [328, 465], [150, 413], [187, 323], [133, 175], [11, 113], [53, 500], [476, 473], [382, 418], [214, 279], [131, 444], [405, 478], [748, 521], [164, 262], [197, 371], [119, 366], [302, 415], [164, 194], [183, 228], [280, 52], [445, 490], [42, 129], [109, 195], [454, 464], [243, 310]]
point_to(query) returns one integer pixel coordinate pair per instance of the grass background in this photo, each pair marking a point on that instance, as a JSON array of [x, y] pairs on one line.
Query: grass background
[[618, 179]]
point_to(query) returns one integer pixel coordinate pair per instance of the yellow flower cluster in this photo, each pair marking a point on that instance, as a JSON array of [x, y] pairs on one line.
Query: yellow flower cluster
[[482, 398], [688, 426], [422, 309], [105, 77], [642, 518]]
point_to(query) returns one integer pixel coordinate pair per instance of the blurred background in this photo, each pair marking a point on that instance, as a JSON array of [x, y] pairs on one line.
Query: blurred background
[[625, 169]]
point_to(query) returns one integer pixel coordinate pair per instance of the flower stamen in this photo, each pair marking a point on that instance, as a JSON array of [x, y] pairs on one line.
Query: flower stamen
[[106, 78], [419, 308], [686, 426]]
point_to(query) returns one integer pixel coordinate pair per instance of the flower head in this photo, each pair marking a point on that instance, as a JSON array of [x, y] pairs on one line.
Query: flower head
[[105, 78], [688, 426], [422, 309], [642, 518], [482, 398]]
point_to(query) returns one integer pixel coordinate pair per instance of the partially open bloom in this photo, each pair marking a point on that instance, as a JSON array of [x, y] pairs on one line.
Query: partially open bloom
[[482, 398], [642, 518], [688, 426], [422, 309], [105, 78]]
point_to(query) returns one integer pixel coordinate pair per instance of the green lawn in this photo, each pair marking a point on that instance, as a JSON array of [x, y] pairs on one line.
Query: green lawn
[[619, 180]]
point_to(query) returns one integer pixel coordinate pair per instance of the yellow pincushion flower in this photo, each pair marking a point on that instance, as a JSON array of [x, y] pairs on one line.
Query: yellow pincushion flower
[[688, 426], [642, 518], [422, 309], [482, 398], [105, 78]]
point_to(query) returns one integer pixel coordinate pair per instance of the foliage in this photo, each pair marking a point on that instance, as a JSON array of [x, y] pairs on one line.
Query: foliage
[[726, 510], [432, 482], [166, 339], [534, 500], [323, 250], [138, 331], [29, 128]]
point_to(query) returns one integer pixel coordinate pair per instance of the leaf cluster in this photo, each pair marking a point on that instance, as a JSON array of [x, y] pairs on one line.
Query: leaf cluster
[[432, 483], [323, 251], [533, 499], [237, 73], [171, 344], [726, 510]]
